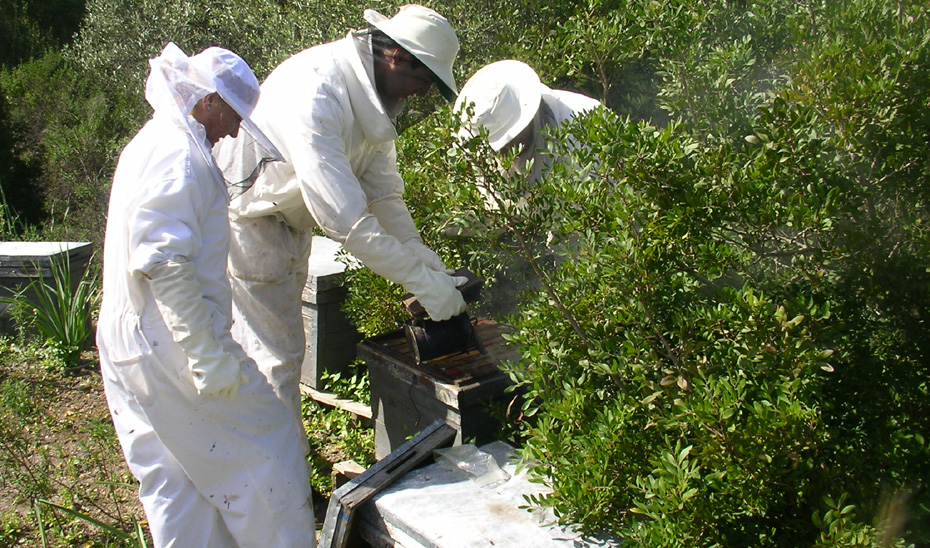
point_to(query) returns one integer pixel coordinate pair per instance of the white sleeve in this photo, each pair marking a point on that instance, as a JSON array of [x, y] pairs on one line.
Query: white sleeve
[[339, 205], [164, 224], [395, 218], [330, 190], [164, 228]]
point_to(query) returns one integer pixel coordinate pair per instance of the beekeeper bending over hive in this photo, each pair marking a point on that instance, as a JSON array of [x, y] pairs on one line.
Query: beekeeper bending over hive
[[330, 110], [514, 106], [213, 448]]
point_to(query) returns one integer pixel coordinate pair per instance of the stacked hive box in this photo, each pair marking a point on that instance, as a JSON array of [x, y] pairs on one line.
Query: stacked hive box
[[22, 263], [462, 389], [331, 339]]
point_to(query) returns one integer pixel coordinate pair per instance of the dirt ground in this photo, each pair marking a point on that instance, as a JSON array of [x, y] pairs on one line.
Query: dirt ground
[[57, 444]]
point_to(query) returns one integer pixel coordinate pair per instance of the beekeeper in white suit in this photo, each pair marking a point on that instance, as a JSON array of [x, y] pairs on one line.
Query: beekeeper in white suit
[[330, 110], [511, 103], [213, 448]]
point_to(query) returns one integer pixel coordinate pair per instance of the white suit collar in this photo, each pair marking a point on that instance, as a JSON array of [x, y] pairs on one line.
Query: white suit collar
[[366, 104], [198, 134]]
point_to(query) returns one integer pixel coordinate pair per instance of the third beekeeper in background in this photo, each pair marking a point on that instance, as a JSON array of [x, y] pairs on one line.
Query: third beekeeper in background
[[514, 106], [331, 111]]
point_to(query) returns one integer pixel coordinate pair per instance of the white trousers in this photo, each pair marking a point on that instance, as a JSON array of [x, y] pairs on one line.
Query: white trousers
[[268, 272], [213, 472]]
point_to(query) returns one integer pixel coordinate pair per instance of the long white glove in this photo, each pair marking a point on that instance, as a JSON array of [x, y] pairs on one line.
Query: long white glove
[[386, 256], [215, 372], [428, 256], [437, 292], [179, 298], [395, 219]]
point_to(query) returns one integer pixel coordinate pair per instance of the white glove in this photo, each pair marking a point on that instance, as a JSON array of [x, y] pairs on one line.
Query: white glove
[[428, 256], [386, 256], [215, 372], [437, 292], [179, 298], [395, 218]]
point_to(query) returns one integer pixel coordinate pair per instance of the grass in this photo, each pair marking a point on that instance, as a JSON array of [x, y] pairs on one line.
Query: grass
[[63, 481]]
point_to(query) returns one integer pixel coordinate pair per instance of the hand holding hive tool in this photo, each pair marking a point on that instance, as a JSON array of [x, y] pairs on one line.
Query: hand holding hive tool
[[430, 339]]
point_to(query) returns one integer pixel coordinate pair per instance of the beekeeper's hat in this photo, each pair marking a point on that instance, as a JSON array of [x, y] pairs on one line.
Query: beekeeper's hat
[[428, 36], [235, 83], [177, 82], [506, 97]]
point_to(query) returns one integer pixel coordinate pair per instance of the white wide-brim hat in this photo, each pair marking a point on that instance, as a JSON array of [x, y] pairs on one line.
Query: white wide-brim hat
[[235, 83], [506, 96], [426, 35]]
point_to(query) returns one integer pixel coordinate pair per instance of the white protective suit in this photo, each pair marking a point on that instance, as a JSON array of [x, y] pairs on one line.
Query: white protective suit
[[321, 109], [557, 106], [508, 101], [213, 471]]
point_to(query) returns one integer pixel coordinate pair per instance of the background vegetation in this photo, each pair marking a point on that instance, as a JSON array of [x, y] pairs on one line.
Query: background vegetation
[[722, 306]]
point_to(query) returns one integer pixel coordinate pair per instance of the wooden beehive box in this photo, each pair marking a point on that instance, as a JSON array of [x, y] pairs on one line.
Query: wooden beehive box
[[330, 337], [21, 263], [460, 388]]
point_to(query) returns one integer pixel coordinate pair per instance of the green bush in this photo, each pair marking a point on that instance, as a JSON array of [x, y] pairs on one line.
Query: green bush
[[68, 133], [20, 206], [730, 347], [29, 27], [709, 362]]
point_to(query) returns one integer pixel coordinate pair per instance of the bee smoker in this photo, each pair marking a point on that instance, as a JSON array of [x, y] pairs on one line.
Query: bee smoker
[[429, 339]]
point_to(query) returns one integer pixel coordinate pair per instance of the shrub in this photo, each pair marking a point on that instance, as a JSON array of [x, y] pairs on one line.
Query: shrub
[[68, 132], [730, 346], [29, 27]]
